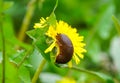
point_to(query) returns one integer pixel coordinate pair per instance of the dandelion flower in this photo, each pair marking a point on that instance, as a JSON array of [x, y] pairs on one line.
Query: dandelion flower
[[67, 41], [72, 38]]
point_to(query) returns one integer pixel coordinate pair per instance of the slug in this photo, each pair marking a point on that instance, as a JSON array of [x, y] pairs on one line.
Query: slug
[[65, 48]]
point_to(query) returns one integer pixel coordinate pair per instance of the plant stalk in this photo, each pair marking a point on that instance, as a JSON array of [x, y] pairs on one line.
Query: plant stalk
[[26, 20], [3, 41], [84, 70], [38, 71]]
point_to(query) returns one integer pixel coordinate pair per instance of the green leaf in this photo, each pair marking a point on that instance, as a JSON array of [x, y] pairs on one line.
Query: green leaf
[[105, 22], [94, 50], [24, 75], [18, 56], [52, 19], [38, 35], [89, 78], [103, 25], [105, 77], [7, 5], [11, 72], [9, 33], [117, 24]]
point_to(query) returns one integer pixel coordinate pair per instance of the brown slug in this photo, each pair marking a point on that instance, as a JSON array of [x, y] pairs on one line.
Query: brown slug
[[65, 49]]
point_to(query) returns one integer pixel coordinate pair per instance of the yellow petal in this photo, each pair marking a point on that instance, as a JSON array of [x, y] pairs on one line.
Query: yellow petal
[[70, 64], [50, 47], [37, 25], [77, 60]]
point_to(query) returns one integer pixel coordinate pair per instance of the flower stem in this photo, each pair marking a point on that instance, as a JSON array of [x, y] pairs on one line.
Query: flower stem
[[3, 41], [3, 53], [38, 71], [26, 20], [84, 70]]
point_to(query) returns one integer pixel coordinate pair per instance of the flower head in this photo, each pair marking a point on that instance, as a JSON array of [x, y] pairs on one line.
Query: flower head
[[68, 44]]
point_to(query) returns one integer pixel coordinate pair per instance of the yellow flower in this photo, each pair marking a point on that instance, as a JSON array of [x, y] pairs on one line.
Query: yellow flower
[[71, 33], [41, 24], [68, 33], [66, 80]]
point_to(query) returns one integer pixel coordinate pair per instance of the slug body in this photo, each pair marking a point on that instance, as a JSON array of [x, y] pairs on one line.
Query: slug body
[[65, 49]]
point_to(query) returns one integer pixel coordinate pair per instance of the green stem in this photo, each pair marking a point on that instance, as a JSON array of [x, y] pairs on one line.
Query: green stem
[[86, 71], [3, 42], [56, 4], [3, 51], [26, 20], [38, 71]]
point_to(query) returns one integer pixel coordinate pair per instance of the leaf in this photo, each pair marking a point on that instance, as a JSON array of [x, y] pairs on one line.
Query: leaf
[[7, 5], [11, 72], [94, 50], [96, 78], [11, 42], [17, 57], [105, 22], [117, 24], [105, 77], [52, 19], [38, 35], [24, 75], [9, 33]]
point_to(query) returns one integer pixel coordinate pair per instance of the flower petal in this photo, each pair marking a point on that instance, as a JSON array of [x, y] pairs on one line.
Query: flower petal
[[50, 47]]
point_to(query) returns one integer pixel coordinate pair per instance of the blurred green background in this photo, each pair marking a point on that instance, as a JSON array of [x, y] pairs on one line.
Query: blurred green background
[[92, 18]]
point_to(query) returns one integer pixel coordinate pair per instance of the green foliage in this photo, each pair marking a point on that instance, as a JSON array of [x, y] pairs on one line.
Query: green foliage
[[38, 35], [11, 72], [117, 24], [7, 5], [93, 19], [104, 24], [24, 75]]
